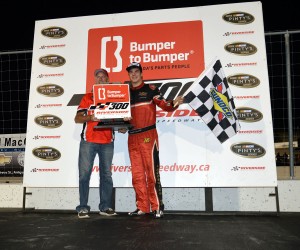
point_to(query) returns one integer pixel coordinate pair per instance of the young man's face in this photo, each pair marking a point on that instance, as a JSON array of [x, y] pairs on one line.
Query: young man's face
[[135, 75], [101, 78]]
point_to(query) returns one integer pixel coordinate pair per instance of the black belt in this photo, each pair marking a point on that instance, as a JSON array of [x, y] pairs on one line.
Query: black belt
[[140, 130]]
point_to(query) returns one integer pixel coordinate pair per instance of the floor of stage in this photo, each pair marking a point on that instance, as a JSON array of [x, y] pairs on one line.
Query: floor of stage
[[63, 230]]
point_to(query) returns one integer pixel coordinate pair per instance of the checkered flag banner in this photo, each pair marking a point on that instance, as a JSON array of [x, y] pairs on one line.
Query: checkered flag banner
[[211, 98]]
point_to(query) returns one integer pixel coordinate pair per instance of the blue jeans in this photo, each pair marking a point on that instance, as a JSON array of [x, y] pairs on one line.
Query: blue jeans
[[87, 154]]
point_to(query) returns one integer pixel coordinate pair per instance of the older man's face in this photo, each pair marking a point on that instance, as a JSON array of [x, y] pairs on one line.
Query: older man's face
[[101, 78]]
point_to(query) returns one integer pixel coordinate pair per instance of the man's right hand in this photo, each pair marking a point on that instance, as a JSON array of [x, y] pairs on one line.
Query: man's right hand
[[127, 118], [122, 130]]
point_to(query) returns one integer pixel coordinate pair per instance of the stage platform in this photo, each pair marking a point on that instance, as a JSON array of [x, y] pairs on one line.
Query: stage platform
[[63, 230]]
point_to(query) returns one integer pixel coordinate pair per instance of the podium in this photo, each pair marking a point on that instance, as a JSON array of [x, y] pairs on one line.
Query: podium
[[111, 105]]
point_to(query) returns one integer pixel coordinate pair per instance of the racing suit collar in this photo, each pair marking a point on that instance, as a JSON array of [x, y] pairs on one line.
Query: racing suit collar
[[138, 87]]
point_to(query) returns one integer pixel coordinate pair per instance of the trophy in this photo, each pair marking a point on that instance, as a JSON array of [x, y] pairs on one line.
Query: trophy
[[111, 105]]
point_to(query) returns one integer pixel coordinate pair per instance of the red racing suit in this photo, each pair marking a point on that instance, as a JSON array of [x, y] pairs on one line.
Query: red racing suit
[[143, 146]]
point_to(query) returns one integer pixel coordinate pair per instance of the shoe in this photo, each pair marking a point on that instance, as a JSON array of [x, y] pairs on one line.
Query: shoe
[[158, 214], [83, 214], [136, 212], [108, 212]]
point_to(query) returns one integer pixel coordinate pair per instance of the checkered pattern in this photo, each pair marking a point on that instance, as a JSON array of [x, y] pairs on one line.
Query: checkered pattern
[[207, 95]]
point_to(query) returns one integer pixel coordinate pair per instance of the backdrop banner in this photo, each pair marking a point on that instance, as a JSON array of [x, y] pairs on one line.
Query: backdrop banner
[[174, 47]]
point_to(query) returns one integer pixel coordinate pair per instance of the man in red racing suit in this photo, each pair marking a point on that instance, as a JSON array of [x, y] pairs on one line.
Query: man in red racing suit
[[143, 142]]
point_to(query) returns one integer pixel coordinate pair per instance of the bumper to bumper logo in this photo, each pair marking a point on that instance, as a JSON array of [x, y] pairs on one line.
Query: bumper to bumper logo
[[163, 49], [46, 153]]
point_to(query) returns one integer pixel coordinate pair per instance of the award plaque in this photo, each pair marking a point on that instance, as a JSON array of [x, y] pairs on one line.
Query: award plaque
[[111, 105], [113, 123]]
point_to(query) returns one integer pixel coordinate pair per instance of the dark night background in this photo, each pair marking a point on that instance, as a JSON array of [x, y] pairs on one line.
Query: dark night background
[[18, 18]]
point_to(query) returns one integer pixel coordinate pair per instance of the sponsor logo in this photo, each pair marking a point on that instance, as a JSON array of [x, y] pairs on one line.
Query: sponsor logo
[[111, 101], [46, 153], [241, 48], [54, 46], [256, 131], [236, 33], [48, 121], [34, 170], [161, 49], [52, 60], [37, 137], [143, 94], [54, 32], [244, 64], [248, 168], [50, 75], [243, 80], [4, 159], [111, 93], [245, 97], [147, 140], [21, 158], [248, 149], [221, 103], [246, 114], [48, 105], [50, 90], [12, 142], [238, 17]]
